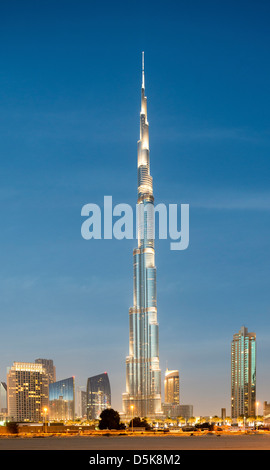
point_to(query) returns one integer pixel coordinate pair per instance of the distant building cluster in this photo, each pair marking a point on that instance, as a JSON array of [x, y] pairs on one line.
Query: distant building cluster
[[243, 383], [32, 394]]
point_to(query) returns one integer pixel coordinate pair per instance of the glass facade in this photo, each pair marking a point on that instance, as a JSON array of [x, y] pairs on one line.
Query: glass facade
[[80, 409], [62, 400], [50, 368], [3, 397], [98, 395], [143, 376], [243, 374], [171, 387]]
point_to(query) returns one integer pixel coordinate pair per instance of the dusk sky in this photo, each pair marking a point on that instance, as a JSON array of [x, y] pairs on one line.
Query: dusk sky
[[70, 100]]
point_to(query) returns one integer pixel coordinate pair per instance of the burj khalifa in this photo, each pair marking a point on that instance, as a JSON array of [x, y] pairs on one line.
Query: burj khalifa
[[143, 376]]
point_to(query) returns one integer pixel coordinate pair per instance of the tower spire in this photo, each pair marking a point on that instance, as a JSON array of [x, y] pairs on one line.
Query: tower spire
[[143, 70]]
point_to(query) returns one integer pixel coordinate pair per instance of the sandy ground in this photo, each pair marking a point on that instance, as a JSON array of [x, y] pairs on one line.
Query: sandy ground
[[181, 442]]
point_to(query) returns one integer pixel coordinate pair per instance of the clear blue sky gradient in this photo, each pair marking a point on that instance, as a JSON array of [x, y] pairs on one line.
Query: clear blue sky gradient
[[70, 98]]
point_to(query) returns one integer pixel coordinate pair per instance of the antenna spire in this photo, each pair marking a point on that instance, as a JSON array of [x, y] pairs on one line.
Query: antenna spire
[[142, 69]]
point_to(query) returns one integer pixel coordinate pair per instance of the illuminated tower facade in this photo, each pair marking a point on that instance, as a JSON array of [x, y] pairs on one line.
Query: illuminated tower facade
[[27, 392], [143, 376], [171, 387], [98, 395], [62, 400], [243, 374], [50, 368]]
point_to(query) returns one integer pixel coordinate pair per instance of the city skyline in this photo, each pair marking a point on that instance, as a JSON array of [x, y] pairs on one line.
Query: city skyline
[[61, 393], [69, 116]]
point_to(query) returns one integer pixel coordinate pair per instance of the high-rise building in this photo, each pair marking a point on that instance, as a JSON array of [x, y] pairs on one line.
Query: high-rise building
[[83, 404], [98, 395], [171, 387], [266, 409], [171, 405], [80, 409], [62, 400], [186, 411], [3, 398], [243, 374], [223, 414], [27, 391], [143, 375], [266, 414], [50, 368]]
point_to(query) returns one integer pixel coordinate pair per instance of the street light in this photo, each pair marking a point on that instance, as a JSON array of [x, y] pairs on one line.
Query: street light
[[45, 411], [257, 406], [132, 407]]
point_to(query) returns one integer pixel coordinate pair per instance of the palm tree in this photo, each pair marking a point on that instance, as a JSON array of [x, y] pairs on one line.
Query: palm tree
[[181, 420], [216, 420], [240, 420], [191, 420]]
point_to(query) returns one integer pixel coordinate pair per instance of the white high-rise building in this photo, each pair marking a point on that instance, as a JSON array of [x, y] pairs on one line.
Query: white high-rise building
[[143, 375], [27, 392]]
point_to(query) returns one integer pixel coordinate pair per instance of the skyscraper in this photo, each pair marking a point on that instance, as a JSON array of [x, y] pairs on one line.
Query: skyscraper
[[171, 387], [143, 376], [62, 400], [243, 374], [98, 395], [171, 405], [80, 402], [27, 389], [50, 368], [3, 397]]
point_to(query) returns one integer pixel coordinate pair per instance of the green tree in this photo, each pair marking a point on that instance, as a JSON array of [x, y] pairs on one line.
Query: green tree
[[140, 423], [181, 420], [12, 427], [110, 419]]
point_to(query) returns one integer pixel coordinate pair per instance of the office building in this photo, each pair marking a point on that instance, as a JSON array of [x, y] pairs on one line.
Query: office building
[[243, 374], [81, 402], [266, 414], [143, 376], [171, 411], [266, 409], [27, 392], [3, 399], [171, 404], [98, 395], [186, 411], [62, 400], [171, 387], [223, 414], [50, 368]]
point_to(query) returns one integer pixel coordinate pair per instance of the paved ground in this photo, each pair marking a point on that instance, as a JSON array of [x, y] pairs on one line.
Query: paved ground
[[181, 442]]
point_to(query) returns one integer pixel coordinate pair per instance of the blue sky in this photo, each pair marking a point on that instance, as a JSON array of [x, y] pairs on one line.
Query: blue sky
[[70, 97]]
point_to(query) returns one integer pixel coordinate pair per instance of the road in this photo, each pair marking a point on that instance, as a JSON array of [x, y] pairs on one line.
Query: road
[[144, 442]]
